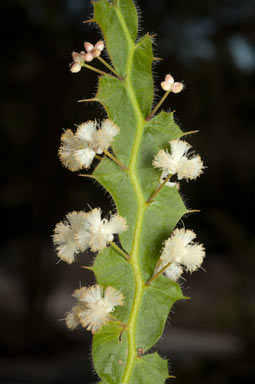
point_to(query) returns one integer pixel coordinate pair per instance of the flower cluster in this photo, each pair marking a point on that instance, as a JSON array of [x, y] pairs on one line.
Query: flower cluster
[[90, 53], [93, 307], [181, 252], [178, 162], [80, 231], [78, 150], [170, 85]]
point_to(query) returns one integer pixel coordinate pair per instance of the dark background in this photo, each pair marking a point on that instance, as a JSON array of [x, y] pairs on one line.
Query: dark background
[[208, 44]]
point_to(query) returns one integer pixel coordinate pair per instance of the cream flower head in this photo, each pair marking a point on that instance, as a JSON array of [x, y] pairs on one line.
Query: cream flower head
[[94, 306], [178, 162], [80, 231], [78, 150], [181, 251], [97, 233], [64, 236]]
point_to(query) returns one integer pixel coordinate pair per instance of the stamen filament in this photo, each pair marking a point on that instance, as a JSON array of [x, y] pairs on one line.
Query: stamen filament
[[115, 160], [157, 274], [158, 106], [118, 249], [158, 189]]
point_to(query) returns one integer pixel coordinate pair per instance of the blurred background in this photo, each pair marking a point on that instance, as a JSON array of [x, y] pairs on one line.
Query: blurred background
[[210, 44]]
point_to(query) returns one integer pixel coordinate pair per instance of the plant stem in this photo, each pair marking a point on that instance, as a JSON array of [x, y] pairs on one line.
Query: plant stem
[[157, 274], [113, 318], [115, 160], [118, 249], [158, 189], [158, 106], [108, 66], [189, 133], [98, 70]]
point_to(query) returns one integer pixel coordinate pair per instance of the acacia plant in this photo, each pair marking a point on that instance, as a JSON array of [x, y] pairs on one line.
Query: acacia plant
[[141, 161]]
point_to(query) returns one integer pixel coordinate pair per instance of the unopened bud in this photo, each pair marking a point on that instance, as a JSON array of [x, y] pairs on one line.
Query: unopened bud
[[166, 86], [177, 87], [88, 47], [76, 57], [88, 57], [169, 79], [96, 52], [82, 55], [99, 45], [75, 68]]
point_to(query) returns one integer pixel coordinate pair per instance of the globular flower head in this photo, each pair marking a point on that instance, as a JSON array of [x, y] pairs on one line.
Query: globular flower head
[[69, 145], [64, 236], [78, 150], [80, 231], [72, 318], [94, 306], [180, 251], [97, 233], [170, 85], [105, 135], [179, 162]]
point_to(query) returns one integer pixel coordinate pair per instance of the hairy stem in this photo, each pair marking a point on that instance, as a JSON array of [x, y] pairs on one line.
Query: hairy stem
[[134, 255], [158, 106], [113, 158], [159, 189], [108, 66], [157, 274], [118, 249], [97, 70]]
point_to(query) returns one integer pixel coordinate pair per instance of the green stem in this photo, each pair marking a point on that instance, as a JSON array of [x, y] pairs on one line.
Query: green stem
[[98, 70], [108, 66], [141, 207], [115, 160], [158, 189], [113, 318], [157, 274], [118, 249], [158, 106]]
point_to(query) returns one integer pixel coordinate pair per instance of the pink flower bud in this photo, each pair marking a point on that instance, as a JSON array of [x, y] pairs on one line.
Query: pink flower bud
[[88, 47], [165, 86], [88, 57], [169, 79], [75, 68], [100, 45], [82, 55], [177, 87], [96, 52], [76, 57]]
